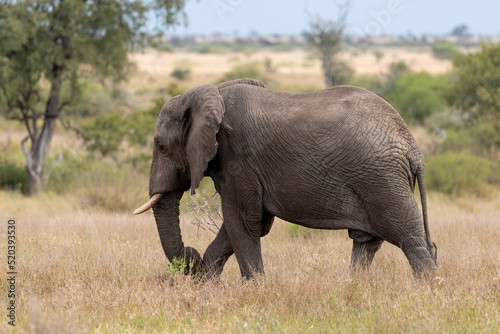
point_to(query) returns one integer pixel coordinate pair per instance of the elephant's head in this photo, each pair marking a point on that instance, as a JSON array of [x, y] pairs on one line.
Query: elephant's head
[[184, 143]]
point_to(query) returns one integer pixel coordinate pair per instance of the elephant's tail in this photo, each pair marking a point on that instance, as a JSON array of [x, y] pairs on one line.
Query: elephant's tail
[[423, 198]]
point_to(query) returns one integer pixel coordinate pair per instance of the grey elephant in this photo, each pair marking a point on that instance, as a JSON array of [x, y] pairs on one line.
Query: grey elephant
[[339, 158]]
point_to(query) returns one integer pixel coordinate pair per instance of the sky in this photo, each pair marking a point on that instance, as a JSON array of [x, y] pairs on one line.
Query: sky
[[367, 17]]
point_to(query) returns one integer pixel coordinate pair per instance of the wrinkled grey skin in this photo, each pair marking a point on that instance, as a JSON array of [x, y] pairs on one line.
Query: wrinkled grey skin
[[339, 158]]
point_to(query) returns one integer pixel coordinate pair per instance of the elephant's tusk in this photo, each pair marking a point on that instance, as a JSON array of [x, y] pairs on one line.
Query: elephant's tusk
[[149, 204]]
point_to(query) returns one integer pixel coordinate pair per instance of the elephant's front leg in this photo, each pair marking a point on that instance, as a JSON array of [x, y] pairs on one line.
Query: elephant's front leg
[[217, 254]]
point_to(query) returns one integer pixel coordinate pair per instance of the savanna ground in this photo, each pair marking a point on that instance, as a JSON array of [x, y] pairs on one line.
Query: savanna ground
[[85, 268]]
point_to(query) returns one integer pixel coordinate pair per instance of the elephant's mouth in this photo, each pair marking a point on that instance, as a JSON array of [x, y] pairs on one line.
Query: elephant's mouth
[[149, 204]]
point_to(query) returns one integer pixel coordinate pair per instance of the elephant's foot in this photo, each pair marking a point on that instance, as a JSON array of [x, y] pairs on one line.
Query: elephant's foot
[[194, 263], [420, 258]]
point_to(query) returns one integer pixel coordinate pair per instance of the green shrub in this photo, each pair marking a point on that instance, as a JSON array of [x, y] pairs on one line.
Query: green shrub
[[444, 50], [181, 73], [480, 139], [460, 140], [461, 173], [104, 133], [13, 176], [418, 95], [62, 172]]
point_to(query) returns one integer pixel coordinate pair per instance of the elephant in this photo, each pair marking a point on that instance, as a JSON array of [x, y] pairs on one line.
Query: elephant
[[338, 158]]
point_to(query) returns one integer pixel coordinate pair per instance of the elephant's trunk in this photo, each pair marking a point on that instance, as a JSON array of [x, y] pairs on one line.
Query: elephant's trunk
[[166, 212]]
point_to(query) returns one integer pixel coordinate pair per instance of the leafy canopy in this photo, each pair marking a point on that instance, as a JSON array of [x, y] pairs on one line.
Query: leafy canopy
[[69, 39], [476, 90], [418, 95]]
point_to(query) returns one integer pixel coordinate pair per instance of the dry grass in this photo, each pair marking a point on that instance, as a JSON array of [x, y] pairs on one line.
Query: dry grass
[[82, 271], [292, 68]]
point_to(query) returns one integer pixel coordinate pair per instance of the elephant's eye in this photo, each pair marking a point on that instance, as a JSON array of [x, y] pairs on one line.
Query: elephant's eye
[[162, 148]]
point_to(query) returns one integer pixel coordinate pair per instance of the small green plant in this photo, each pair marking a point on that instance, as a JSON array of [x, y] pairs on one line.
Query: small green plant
[[177, 266], [180, 266]]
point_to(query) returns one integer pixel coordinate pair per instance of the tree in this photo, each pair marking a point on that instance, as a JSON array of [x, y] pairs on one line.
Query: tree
[[476, 90], [326, 37], [461, 31], [418, 95], [46, 46]]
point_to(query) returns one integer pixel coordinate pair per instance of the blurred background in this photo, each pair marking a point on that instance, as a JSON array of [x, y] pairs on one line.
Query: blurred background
[[83, 82]]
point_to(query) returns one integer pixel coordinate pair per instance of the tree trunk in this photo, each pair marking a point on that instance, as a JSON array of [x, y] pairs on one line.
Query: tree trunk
[[327, 68], [40, 146]]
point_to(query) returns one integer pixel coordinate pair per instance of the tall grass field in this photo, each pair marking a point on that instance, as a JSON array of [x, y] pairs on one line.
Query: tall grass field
[[86, 271]]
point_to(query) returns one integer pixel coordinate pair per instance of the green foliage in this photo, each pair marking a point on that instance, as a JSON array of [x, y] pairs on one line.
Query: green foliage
[[113, 133], [250, 70], [177, 266], [181, 73], [418, 95], [487, 133], [63, 172], [445, 50], [104, 133], [13, 176], [91, 99], [460, 140], [385, 85], [461, 173], [476, 89], [54, 40], [47, 46]]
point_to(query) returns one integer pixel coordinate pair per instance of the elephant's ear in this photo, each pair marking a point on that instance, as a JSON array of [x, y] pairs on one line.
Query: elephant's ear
[[206, 109]]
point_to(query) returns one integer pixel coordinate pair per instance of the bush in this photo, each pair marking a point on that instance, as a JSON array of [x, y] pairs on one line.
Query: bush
[[418, 95], [462, 140], [62, 172], [181, 73], [13, 177], [445, 50], [461, 173]]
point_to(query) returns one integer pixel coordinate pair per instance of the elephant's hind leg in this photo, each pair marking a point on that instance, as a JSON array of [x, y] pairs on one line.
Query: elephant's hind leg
[[421, 262], [364, 248]]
